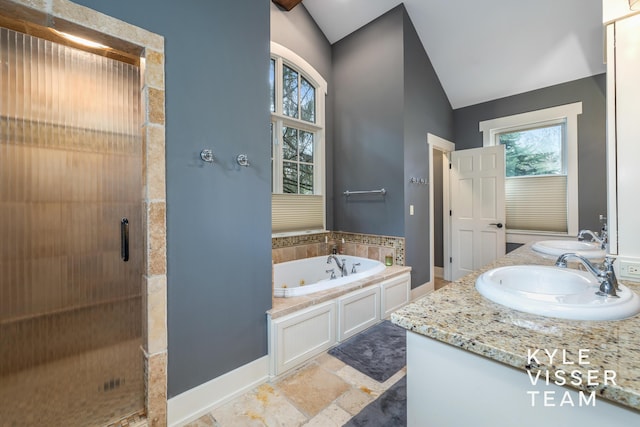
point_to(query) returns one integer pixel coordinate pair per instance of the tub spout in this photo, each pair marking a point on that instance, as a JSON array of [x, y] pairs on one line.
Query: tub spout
[[341, 265]]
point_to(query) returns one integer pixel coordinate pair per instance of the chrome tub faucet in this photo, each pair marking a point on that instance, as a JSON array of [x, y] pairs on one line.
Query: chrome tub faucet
[[341, 265]]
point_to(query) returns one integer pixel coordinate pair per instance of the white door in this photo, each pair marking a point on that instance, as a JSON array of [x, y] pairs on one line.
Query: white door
[[477, 208]]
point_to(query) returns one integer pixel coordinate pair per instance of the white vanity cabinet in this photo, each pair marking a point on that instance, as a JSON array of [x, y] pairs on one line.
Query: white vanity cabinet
[[623, 132], [450, 387]]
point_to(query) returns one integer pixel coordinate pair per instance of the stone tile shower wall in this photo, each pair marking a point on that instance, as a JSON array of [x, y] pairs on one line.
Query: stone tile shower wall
[[363, 245]]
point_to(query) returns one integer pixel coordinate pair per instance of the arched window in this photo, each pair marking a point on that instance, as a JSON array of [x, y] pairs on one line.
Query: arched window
[[297, 143]]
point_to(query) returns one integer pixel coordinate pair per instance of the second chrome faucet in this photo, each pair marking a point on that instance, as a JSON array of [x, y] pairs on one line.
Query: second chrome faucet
[[605, 275]]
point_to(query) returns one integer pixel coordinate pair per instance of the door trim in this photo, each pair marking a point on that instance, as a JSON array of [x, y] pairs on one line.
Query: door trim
[[437, 143]]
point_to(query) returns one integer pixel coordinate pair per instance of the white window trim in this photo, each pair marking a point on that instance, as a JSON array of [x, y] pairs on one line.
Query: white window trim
[[290, 58], [569, 113], [301, 64]]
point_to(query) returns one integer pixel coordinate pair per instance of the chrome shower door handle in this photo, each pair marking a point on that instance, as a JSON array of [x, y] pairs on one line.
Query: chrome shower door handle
[[124, 239]]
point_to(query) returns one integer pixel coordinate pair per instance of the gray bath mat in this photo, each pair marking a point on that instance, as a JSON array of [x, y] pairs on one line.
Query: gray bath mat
[[388, 410], [378, 352]]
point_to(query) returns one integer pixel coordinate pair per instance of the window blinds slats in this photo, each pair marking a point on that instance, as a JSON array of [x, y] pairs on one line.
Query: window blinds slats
[[537, 203], [295, 212]]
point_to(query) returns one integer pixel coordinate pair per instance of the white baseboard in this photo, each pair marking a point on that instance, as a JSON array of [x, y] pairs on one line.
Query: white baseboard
[[194, 403], [421, 290], [438, 272]]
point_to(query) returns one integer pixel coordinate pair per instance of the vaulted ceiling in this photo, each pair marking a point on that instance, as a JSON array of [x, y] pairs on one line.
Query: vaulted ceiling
[[488, 49]]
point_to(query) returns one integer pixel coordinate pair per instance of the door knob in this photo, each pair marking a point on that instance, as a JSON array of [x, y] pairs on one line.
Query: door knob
[[497, 224]]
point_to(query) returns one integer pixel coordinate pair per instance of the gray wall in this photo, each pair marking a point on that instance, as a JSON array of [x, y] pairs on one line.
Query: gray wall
[[218, 216], [368, 93], [591, 91], [426, 110], [298, 31], [387, 98]]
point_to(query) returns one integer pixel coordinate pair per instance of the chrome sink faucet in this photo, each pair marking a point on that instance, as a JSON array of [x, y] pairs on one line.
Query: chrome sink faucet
[[341, 265], [606, 275], [601, 240]]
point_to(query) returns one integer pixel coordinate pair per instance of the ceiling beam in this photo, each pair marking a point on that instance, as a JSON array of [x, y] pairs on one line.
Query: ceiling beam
[[287, 4]]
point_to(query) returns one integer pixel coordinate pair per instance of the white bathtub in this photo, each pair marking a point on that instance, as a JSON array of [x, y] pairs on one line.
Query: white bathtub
[[309, 275]]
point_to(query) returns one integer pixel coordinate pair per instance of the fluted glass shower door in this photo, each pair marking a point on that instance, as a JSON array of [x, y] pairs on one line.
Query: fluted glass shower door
[[71, 249]]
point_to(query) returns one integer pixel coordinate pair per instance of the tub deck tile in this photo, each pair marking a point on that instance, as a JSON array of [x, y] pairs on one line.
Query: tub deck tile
[[283, 306]]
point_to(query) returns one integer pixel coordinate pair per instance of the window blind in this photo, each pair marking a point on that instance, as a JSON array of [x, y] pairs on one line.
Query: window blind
[[537, 203], [296, 212]]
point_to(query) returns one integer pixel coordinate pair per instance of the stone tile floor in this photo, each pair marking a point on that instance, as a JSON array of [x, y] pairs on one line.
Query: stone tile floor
[[324, 392]]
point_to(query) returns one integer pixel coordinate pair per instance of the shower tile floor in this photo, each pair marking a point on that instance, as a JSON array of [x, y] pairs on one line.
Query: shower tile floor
[[71, 392], [325, 392]]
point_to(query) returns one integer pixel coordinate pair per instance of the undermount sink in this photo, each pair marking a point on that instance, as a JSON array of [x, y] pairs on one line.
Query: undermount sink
[[555, 248], [555, 292]]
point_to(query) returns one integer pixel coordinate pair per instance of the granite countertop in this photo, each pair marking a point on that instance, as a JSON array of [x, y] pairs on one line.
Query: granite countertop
[[458, 315], [284, 306]]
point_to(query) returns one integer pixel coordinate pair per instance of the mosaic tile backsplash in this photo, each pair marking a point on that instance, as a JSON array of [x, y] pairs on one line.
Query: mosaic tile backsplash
[[363, 245]]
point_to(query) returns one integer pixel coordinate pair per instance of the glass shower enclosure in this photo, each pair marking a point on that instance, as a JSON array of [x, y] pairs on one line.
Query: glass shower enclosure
[[71, 248]]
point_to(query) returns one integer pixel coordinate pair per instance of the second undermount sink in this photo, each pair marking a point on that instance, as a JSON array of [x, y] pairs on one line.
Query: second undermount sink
[[555, 248], [555, 292]]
